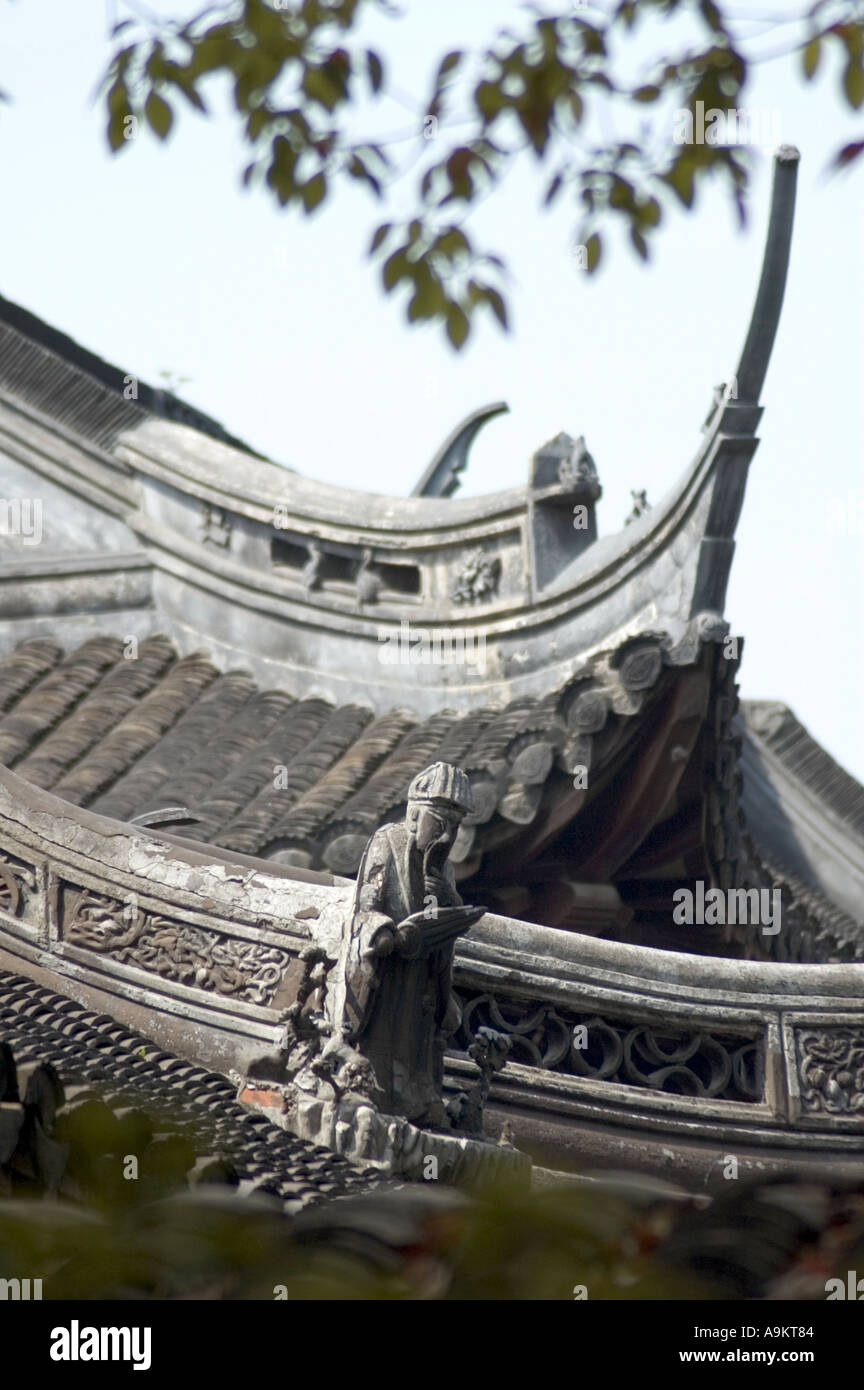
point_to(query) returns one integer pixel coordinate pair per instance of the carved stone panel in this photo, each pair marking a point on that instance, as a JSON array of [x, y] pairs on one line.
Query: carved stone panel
[[681, 1061], [831, 1070], [18, 888], [477, 578], [175, 950]]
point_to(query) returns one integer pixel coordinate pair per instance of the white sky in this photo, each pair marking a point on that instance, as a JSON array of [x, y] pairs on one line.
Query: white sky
[[159, 260]]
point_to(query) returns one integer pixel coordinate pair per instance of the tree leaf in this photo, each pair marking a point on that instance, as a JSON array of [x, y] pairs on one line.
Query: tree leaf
[[313, 192], [712, 16], [258, 120], [553, 189], [489, 100], [375, 69], [649, 212], [428, 300], [497, 305], [381, 235], [457, 325], [359, 170], [639, 242], [118, 107], [319, 87], [451, 242], [810, 57], [593, 249], [159, 115], [853, 84], [680, 176], [848, 154], [395, 269], [447, 64]]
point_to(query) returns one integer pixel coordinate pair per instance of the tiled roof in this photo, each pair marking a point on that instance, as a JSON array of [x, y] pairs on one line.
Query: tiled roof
[[815, 769], [125, 737], [80, 391], [131, 733], [101, 1063]]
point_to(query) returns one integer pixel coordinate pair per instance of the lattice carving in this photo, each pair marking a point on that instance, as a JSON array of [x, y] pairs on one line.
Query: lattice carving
[[687, 1061]]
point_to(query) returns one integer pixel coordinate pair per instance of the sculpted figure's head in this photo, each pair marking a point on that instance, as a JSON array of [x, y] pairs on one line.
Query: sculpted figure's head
[[438, 800]]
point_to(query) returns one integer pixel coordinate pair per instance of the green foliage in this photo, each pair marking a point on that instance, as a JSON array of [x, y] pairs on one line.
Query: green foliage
[[156, 1241], [297, 73]]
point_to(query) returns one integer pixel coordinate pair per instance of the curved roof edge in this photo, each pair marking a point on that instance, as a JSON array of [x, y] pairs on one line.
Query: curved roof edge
[[803, 807], [65, 367], [70, 842], [342, 571]]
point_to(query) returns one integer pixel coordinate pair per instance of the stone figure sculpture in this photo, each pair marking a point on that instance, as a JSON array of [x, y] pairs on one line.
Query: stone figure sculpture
[[389, 995]]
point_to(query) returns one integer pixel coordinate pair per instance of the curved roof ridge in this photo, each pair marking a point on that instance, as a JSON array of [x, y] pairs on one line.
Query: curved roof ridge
[[48, 369], [777, 726]]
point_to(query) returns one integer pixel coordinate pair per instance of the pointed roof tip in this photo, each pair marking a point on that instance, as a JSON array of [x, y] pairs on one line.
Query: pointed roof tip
[[787, 154]]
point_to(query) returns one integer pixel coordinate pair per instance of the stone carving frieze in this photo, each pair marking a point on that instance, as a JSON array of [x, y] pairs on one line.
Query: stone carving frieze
[[688, 1061], [477, 578], [215, 526], [831, 1070], [17, 885], [189, 955]]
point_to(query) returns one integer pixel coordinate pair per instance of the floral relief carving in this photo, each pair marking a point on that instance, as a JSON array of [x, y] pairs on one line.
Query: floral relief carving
[[175, 950], [17, 881], [831, 1068], [477, 578]]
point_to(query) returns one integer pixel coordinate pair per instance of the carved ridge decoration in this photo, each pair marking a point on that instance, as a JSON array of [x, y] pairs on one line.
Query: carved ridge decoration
[[831, 1070], [16, 878], [188, 955], [215, 525], [687, 1062], [477, 578]]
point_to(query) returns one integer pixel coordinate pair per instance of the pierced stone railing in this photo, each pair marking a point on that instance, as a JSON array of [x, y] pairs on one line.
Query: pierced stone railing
[[199, 948]]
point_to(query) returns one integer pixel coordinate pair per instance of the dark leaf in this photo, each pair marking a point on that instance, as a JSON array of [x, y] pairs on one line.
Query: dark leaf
[[395, 269], [159, 115], [497, 305], [375, 69], [257, 122], [848, 154], [593, 248], [457, 325], [381, 235], [320, 87], [553, 189], [810, 57], [451, 61], [313, 192], [711, 15], [489, 100], [639, 242], [680, 177], [451, 242], [853, 84], [427, 301]]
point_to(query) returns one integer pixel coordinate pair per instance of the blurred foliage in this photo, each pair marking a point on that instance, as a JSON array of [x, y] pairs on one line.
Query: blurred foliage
[[179, 1230], [426, 1243], [298, 75], [167, 1227]]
